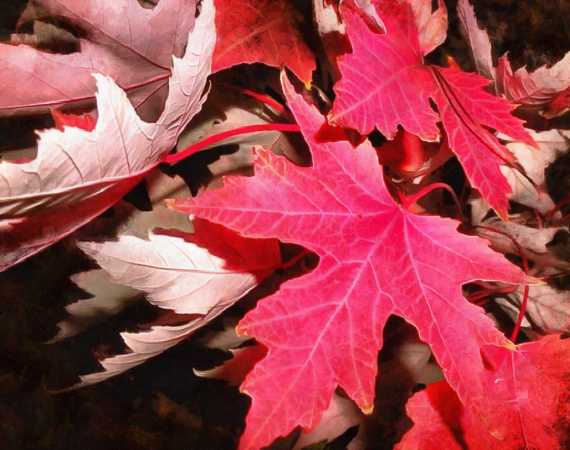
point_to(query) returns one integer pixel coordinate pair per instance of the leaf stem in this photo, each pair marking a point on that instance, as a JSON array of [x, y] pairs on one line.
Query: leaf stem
[[263, 98], [484, 293], [522, 312], [214, 139], [409, 201]]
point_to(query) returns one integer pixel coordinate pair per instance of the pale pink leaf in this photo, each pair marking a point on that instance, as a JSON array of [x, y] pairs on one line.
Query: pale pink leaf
[[200, 274], [77, 174], [478, 39], [178, 272], [546, 89], [547, 310], [120, 39], [534, 89], [530, 190]]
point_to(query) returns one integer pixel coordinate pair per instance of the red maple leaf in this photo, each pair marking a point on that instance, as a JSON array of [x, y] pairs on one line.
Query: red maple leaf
[[385, 83], [264, 31], [376, 259], [526, 406]]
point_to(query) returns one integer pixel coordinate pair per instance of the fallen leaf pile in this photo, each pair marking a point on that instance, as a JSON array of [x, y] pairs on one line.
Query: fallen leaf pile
[[374, 239]]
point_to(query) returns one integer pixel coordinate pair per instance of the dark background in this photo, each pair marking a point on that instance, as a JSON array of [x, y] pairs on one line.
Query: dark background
[[162, 405]]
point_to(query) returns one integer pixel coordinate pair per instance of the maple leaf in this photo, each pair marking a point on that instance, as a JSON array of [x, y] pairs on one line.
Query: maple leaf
[[177, 272], [385, 83], [532, 412], [200, 274], [121, 39], [432, 26], [324, 330], [78, 174], [340, 415], [265, 31]]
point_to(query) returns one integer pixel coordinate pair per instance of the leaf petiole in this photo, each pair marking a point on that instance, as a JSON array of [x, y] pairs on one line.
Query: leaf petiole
[[214, 139]]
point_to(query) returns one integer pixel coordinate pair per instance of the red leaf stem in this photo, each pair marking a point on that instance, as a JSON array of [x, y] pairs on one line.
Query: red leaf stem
[[203, 144], [409, 201], [522, 311], [263, 98]]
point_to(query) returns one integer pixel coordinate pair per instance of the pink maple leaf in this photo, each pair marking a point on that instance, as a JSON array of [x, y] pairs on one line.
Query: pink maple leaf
[[385, 84], [324, 330]]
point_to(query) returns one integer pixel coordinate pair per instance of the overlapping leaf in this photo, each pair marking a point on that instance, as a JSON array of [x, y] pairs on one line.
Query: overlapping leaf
[[431, 26], [120, 39], [526, 407], [77, 174], [396, 89], [478, 39], [529, 189], [200, 274], [547, 309], [264, 31], [324, 330]]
